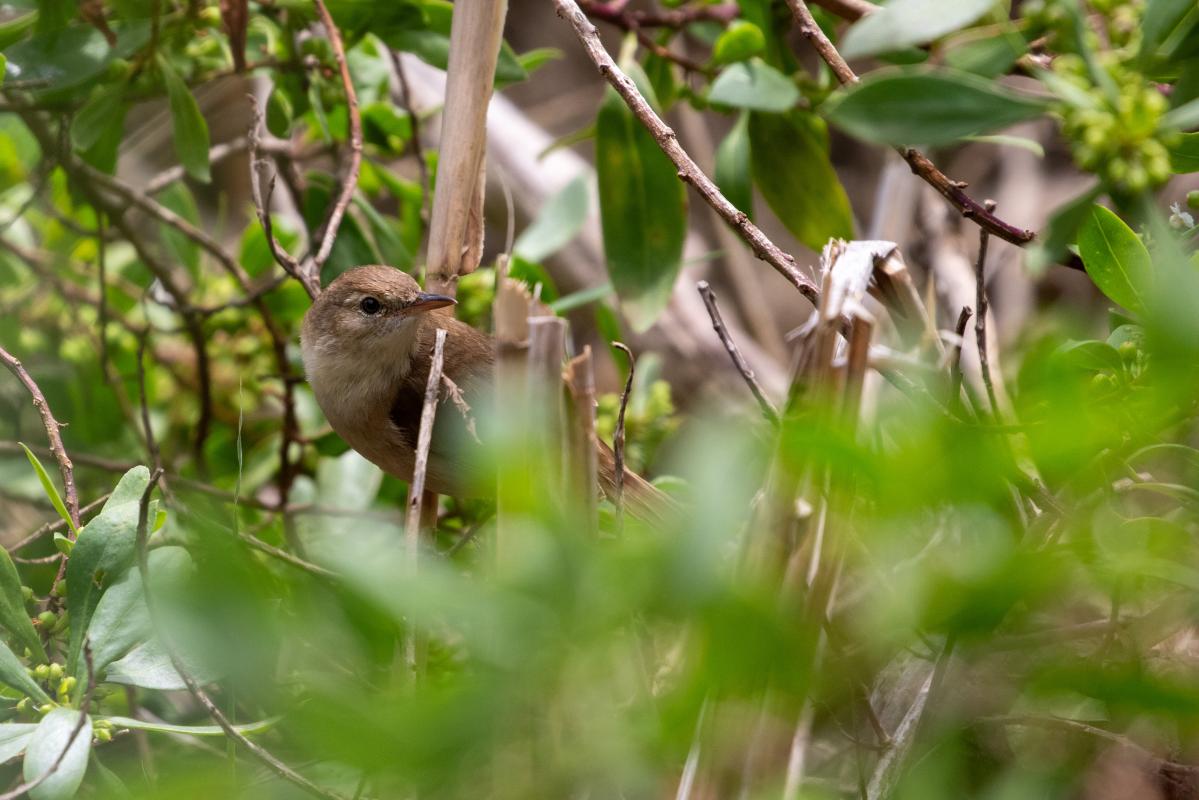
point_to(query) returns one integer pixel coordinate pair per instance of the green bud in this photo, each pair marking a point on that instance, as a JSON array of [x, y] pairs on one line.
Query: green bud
[[67, 686], [1193, 199], [60, 589], [102, 735], [1127, 350], [24, 704], [41, 672], [56, 671], [45, 708], [47, 618], [27, 593], [740, 41]]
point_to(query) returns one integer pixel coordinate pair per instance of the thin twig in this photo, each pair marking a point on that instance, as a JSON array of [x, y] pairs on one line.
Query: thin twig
[[980, 321], [955, 358], [218, 716], [65, 468], [1061, 723], [768, 410], [920, 164], [416, 488], [327, 233], [57, 525], [618, 434], [689, 171]]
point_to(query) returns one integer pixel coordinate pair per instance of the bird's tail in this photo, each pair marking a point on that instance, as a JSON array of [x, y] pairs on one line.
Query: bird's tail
[[640, 498]]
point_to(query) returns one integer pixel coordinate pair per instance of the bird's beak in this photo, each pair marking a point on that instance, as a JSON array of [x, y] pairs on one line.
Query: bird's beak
[[427, 302]]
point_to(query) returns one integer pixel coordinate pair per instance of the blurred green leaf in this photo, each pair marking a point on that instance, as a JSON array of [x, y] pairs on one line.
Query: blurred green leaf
[[189, 730], [49, 488], [13, 673], [904, 23], [734, 174], [280, 113], [13, 615], [149, 666], [11, 31], [1060, 233], [1116, 258], [74, 56], [101, 121], [926, 107], [643, 212], [1092, 356], [559, 221], [740, 40], [986, 54], [1160, 18], [48, 744], [14, 738], [754, 84], [791, 169], [188, 125], [1184, 156]]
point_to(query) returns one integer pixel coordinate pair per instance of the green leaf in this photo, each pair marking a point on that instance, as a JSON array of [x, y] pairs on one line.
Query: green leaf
[[12, 673], [13, 615], [739, 41], [54, 15], [643, 212], [179, 198], [1001, 140], [733, 170], [560, 219], [1160, 18], [1183, 117], [74, 56], [581, 298], [790, 164], [149, 666], [12, 30], [188, 125], [987, 54], [1184, 156], [191, 730], [46, 746], [1116, 258], [1057, 236], [49, 488], [755, 85], [121, 619], [905, 23], [279, 113], [103, 552], [1091, 356], [926, 107], [98, 127], [14, 738]]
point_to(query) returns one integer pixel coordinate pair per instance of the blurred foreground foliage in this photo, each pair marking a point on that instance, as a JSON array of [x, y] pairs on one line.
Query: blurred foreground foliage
[[931, 600]]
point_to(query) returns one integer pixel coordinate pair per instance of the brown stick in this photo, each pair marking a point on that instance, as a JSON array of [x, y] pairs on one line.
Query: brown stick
[[416, 489], [580, 378], [980, 321], [689, 171], [955, 359], [618, 433], [768, 410], [65, 468], [923, 168]]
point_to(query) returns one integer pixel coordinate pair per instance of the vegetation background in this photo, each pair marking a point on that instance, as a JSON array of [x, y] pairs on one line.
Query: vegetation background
[[930, 418]]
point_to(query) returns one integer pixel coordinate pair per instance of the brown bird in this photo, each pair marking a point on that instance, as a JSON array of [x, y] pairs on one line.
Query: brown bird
[[367, 344]]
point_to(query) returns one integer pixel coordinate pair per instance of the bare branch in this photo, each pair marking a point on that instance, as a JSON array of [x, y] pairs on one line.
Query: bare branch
[[768, 410], [65, 468], [689, 171], [618, 434], [980, 321]]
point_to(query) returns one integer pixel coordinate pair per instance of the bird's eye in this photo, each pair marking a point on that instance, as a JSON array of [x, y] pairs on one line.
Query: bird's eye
[[370, 305]]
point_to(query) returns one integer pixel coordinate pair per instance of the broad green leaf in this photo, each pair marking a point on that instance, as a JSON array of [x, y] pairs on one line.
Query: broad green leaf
[[54, 15], [52, 737], [149, 666], [1055, 240], [1091, 356], [105, 105], [755, 85], [1184, 156], [1116, 258], [73, 56], [102, 554], [741, 40], [191, 730], [986, 54], [179, 198], [13, 615], [559, 221], [14, 738], [12, 30], [187, 124], [791, 169], [926, 107], [280, 113], [905, 23], [12, 673], [643, 208], [121, 619], [1183, 117], [49, 488], [733, 171]]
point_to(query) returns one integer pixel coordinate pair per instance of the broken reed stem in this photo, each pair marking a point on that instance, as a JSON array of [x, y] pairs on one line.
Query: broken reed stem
[[955, 360], [416, 489], [980, 321], [258, 751], [768, 410], [618, 433], [689, 171], [65, 468], [921, 166], [456, 224]]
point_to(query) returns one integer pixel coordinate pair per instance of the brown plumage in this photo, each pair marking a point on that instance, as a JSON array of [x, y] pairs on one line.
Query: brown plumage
[[367, 343]]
